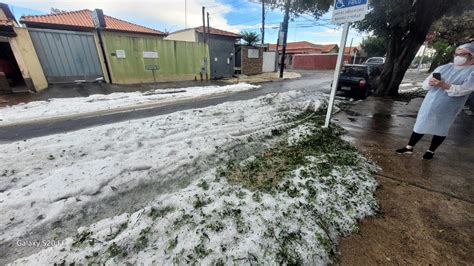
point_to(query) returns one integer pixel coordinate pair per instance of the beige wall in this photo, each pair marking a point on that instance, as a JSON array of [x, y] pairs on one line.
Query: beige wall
[[187, 35], [27, 60]]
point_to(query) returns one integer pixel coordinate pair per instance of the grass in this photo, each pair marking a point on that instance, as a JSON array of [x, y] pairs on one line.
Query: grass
[[291, 201], [156, 213], [268, 169]]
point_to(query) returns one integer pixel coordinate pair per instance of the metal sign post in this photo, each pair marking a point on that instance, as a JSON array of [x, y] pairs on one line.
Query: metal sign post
[[337, 72], [345, 11], [429, 38], [153, 68]]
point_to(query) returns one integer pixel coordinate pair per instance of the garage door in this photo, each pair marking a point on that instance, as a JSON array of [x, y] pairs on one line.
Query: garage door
[[66, 56]]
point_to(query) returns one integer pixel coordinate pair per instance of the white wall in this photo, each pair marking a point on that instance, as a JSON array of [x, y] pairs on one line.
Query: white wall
[[185, 35]]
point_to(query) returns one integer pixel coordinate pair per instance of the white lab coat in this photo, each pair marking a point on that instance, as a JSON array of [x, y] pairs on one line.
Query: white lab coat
[[440, 107]]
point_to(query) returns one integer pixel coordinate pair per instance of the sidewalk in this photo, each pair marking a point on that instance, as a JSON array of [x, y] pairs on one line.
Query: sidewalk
[[427, 207], [87, 89]]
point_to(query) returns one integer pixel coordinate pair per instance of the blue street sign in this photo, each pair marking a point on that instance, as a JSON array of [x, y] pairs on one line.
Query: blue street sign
[[349, 11], [340, 4]]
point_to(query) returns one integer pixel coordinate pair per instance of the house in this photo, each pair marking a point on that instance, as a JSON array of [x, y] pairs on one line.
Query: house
[[357, 53], [20, 69], [329, 48], [69, 47], [327, 61], [221, 47], [304, 47], [293, 48]]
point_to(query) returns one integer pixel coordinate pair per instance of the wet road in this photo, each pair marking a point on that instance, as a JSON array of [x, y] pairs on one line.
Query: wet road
[[317, 82]]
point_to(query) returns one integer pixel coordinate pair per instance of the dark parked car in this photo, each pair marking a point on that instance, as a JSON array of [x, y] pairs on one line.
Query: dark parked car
[[358, 80]]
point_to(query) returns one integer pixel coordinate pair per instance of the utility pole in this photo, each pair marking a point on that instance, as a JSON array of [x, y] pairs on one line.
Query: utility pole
[[204, 24], [208, 27], [285, 36], [185, 14], [263, 22]]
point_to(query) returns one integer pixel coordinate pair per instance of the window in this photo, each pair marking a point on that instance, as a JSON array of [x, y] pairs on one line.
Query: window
[[353, 71]]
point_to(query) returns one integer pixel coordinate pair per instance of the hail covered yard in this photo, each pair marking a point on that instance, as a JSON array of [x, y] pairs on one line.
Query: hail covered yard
[[66, 107], [193, 186]]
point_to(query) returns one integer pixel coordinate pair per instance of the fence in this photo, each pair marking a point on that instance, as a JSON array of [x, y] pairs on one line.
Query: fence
[[318, 61]]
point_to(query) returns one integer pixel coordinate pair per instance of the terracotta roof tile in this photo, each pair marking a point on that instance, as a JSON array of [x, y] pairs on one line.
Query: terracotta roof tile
[[219, 32], [5, 23], [327, 47], [297, 45], [83, 19]]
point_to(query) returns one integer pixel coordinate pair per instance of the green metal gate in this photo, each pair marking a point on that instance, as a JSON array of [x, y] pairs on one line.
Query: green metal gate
[[66, 56]]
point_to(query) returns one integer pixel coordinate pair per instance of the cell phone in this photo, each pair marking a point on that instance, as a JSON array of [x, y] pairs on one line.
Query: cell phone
[[437, 76]]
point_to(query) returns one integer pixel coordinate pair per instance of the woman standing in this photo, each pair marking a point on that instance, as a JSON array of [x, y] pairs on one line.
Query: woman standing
[[448, 87]]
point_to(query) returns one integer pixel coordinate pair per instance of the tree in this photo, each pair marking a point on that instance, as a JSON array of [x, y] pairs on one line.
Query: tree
[[451, 32], [444, 53], [404, 23], [315, 8], [374, 46], [250, 38]]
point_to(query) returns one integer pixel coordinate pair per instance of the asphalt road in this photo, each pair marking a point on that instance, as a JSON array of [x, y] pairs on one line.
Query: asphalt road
[[318, 82]]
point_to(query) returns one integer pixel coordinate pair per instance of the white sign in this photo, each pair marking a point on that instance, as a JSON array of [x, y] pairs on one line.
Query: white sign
[[120, 53], [150, 54], [349, 11], [252, 53]]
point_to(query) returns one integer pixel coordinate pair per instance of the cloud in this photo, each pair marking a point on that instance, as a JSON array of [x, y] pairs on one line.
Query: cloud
[[253, 27], [167, 12], [331, 33]]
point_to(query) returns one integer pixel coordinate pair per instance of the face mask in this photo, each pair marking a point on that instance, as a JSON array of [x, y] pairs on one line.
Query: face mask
[[459, 60]]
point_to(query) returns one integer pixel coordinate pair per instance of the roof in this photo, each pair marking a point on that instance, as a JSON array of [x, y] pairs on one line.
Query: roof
[[297, 45], [5, 23], [7, 12], [212, 31], [325, 48], [350, 50], [83, 19], [215, 31], [328, 47]]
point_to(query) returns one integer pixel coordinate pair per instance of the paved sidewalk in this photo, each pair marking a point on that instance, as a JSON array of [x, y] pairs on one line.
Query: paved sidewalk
[[427, 207]]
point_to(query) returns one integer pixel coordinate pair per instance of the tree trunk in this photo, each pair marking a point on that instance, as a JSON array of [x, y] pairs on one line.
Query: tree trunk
[[404, 44], [400, 54]]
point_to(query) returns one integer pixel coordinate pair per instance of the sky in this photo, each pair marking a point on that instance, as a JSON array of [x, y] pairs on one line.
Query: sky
[[169, 15]]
